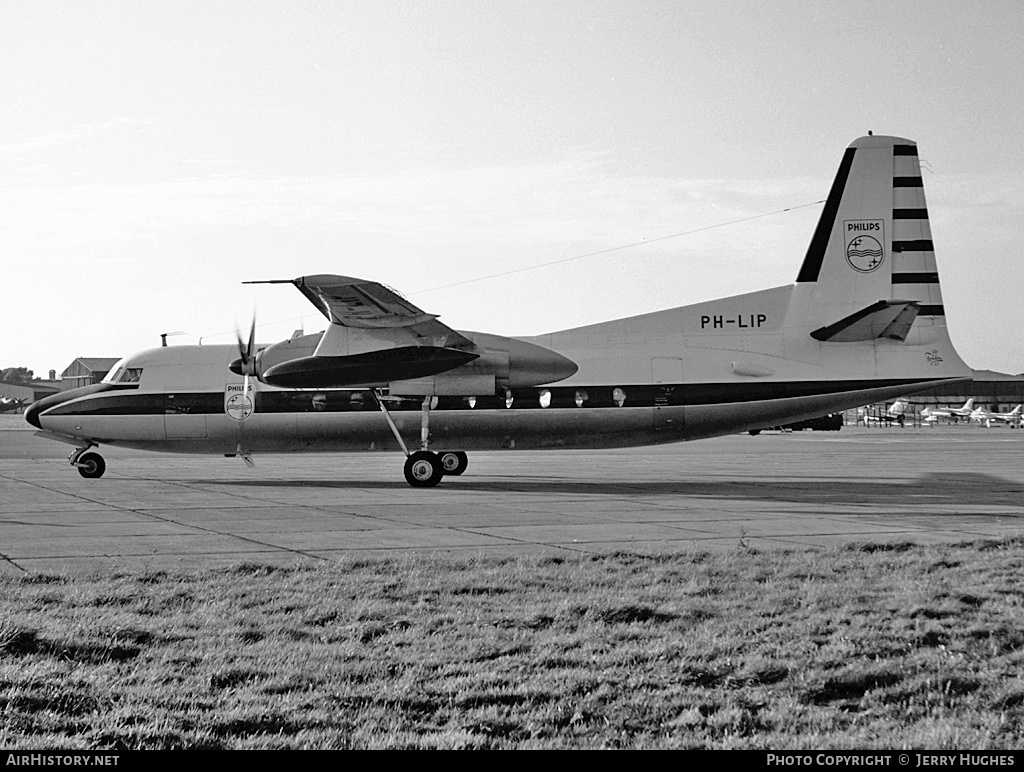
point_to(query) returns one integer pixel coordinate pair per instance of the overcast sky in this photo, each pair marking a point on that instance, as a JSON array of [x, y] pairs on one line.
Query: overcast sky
[[154, 155]]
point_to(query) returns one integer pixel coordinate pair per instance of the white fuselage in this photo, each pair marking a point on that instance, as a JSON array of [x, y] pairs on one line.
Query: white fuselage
[[697, 371]]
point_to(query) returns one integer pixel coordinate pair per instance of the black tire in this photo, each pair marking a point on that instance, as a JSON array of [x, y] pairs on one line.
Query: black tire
[[754, 432], [91, 465], [454, 461], [423, 469]]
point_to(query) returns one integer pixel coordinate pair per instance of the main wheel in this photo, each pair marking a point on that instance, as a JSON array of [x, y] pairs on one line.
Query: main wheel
[[91, 465], [423, 469], [454, 461]]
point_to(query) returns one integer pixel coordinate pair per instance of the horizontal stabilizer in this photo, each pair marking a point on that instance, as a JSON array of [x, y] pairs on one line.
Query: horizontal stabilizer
[[373, 367], [890, 319]]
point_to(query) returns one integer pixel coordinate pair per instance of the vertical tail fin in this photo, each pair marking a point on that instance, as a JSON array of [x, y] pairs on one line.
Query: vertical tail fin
[[873, 241], [868, 288], [899, 407]]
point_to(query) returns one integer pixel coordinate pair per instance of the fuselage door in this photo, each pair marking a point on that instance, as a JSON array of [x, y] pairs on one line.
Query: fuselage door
[[184, 415]]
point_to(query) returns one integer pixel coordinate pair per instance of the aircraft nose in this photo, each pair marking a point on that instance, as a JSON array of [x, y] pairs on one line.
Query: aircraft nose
[[32, 414], [37, 408]]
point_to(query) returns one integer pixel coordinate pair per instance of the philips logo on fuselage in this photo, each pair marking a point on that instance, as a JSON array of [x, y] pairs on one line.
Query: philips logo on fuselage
[[865, 240]]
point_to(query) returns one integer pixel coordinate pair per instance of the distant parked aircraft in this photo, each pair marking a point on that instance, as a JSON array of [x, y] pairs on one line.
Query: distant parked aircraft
[[896, 412], [7, 405], [932, 414], [987, 417]]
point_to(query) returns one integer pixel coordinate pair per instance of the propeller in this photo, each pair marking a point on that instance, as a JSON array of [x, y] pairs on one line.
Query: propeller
[[247, 363]]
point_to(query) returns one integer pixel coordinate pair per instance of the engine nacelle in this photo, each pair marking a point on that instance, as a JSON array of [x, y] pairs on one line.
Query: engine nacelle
[[504, 363], [357, 358]]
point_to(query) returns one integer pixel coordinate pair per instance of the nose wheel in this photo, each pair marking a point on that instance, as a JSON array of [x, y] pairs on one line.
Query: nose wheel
[[89, 465]]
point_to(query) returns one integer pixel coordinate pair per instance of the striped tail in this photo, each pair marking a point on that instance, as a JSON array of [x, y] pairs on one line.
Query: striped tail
[[873, 241], [868, 289], [915, 275]]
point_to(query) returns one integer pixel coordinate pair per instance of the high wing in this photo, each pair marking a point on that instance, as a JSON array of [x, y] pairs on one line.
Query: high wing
[[358, 303], [375, 336]]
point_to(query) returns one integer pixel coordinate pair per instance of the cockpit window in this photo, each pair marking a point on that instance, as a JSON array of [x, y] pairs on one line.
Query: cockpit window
[[121, 373], [115, 372]]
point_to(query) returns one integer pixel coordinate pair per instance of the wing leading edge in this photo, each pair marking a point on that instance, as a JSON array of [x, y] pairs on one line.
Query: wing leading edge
[[359, 303], [387, 338]]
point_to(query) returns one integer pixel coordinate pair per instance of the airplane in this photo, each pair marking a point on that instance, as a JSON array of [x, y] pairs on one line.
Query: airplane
[[896, 412], [980, 415], [931, 415], [9, 404], [863, 323]]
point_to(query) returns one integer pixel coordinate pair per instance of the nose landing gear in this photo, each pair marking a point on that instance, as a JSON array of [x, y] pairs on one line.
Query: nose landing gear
[[89, 465]]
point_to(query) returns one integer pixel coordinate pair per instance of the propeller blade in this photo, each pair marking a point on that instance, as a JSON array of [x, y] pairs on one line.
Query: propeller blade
[[246, 363], [251, 348], [249, 367]]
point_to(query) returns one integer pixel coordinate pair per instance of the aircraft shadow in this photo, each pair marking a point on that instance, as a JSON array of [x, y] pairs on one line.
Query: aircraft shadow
[[940, 488]]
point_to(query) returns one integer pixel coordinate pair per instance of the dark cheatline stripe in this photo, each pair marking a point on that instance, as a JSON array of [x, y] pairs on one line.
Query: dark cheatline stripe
[[34, 410], [932, 311], [146, 403], [816, 251], [599, 397], [907, 182], [904, 149], [915, 278], [920, 245], [910, 214]]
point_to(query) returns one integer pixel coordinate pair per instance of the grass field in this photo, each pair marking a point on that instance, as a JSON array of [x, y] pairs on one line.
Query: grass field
[[864, 647]]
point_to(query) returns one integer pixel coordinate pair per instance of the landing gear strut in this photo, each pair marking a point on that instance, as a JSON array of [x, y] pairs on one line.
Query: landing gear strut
[[424, 468]]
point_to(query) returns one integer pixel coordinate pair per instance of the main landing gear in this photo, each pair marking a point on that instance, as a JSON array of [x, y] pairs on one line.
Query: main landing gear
[[424, 468], [89, 465]]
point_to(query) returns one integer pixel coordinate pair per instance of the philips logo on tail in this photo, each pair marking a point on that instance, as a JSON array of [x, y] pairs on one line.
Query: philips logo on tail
[[864, 240]]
